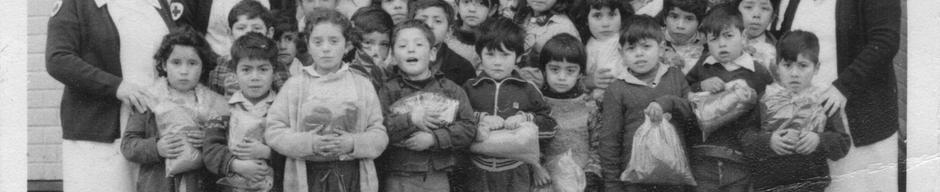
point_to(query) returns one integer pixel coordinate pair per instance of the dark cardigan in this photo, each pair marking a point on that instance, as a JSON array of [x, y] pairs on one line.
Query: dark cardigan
[[867, 35], [82, 52]]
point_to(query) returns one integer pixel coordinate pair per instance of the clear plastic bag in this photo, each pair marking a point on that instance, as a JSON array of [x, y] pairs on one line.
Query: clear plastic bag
[[521, 144], [240, 130], [566, 175], [657, 156], [242, 184], [718, 109], [788, 110], [180, 121], [433, 103]]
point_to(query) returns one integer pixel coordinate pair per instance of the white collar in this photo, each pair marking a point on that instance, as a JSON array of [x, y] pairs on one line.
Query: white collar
[[744, 61], [101, 3], [312, 71], [626, 76]]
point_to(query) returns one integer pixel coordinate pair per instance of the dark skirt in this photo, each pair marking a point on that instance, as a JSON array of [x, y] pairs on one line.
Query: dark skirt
[[339, 176]]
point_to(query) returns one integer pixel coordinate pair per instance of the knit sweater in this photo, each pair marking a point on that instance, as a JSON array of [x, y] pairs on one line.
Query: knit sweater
[[574, 132]]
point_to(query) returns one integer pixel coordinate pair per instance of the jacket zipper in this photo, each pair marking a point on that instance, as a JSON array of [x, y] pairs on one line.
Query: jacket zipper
[[496, 98]]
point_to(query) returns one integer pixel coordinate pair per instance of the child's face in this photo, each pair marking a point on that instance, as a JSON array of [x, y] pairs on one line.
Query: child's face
[[375, 44], [498, 63], [540, 6], [643, 56], [436, 18], [562, 76], [287, 47], [398, 9], [757, 15], [309, 5], [243, 25], [183, 68], [413, 51], [681, 22], [255, 77], [727, 46], [327, 45], [473, 12], [797, 75], [604, 23]]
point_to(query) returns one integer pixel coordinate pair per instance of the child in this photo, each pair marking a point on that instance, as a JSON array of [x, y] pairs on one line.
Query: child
[[721, 151], [398, 9], [542, 20], [289, 43], [500, 93], [757, 15], [472, 13], [793, 157], [245, 17], [422, 144], [239, 153], [327, 120], [562, 60], [604, 20], [307, 7], [685, 44], [439, 16], [374, 27], [184, 59], [221, 30], [649, 88]]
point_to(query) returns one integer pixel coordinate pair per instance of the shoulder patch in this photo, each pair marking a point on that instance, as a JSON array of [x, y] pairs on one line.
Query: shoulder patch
[[55, 7], [176, 10]]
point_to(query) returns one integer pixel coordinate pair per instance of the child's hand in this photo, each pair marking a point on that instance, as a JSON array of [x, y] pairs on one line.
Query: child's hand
[[338, 145], [420, 141], [254, 170], [423, 120], [655, 112], [603, 77], [778, 143], [170, 146], [833, 101], [195, 138], [808, 142], [319, 143], [251, 149], [491, 122], [713, 85], [514, 121]]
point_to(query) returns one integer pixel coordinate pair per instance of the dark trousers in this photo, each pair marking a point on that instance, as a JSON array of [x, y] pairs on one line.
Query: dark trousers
[[339, 176], [720, 175], [516, 179]]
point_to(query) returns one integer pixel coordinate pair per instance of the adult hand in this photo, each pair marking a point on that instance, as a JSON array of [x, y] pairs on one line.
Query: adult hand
[[833, 101], [713, 85], [170, 146], [251, 149], [134, 95]]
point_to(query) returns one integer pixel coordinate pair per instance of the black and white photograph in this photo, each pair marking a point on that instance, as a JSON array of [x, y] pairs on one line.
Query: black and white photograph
[[469, 96]]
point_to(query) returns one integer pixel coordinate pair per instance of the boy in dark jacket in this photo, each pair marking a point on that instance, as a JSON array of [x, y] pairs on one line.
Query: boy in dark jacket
[[791, 147], [717, 161], [439, 16], [422, 143], [500, 93], [649, 88]]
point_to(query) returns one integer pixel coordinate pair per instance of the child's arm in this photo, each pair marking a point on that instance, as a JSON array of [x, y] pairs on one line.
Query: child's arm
[[399, 126], [215, 152], [136, 146], [756, 142], [278, 133], [681, 111], [610, 138], [541, 115], [461, 133], [694, 78], [370, 143], [835, 141]]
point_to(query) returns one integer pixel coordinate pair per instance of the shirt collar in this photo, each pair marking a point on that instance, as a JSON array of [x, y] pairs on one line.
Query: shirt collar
[[101, 3], [626, 76], [744, 61], [238, 97], [513, 76], [311, 70]]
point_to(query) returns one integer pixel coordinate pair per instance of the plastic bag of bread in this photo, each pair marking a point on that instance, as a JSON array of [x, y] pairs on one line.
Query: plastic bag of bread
[[718, 109], [432, 103], [567, 175], [658, 156], [788, 110], [179, 121], [328, 118]]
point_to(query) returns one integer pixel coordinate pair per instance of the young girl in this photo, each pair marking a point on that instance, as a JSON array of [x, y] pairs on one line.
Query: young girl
[[542, 19], [328, 120], [757, 15], [472, 13], [602, 33], [184, 60]]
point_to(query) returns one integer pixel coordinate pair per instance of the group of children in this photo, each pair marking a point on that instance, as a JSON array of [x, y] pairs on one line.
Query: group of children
[[311, 100]]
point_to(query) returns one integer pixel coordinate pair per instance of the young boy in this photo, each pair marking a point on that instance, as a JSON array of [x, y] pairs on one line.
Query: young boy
[[289, 43], [500, 93], [221, 31], [793, 156], [649, 88], [418, 160], [245, 17], [239, 153], [438, 15], [721, 151], [375, 27], [757, 15], [471, 14], [563, 64], [685, 44], [398, 9]]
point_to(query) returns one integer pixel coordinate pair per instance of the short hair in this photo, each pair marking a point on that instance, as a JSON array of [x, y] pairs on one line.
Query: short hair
[[492, 4], [186, 36], [372, 19], [775, 4], [798, 42], [251, 10], [417, 24], [580, 14], [721, 17], [324, 15], [284, 23], [424, 4], [560, 7], [499, 32], [253, 46], [641, 27], [696, 7], [563, 47]]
